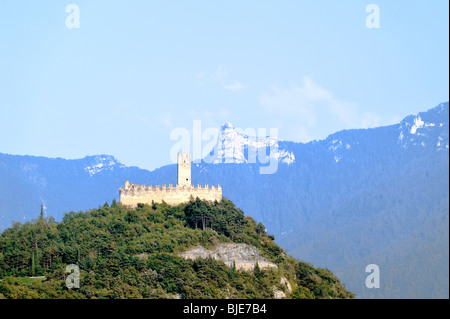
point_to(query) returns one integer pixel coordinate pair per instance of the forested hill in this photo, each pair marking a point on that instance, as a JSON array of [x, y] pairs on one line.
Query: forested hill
[[134, 253]]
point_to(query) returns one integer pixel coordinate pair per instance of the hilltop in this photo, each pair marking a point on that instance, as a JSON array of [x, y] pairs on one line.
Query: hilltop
[[138, 253]]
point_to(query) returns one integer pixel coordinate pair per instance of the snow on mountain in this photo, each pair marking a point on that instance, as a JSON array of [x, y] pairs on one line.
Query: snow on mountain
[[426, 129], [338, 147], [100, 163], [236, 147]]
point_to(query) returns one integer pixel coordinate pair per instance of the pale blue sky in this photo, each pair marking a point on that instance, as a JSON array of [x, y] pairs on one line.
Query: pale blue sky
[[136, 70]]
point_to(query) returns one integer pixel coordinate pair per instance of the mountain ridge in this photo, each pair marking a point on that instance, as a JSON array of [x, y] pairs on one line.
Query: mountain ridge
[[337, 193]]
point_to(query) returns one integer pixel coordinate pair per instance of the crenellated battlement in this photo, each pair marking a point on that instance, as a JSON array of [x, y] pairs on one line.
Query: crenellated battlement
[[134, 194], [136, 188]]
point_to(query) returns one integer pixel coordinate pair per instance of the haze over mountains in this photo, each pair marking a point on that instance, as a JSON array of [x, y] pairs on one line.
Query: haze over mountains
[[366, 196]]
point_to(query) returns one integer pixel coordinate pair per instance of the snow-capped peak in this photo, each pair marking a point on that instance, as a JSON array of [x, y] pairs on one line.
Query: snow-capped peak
[[100, 163], [235, 146], [227, 125], [418, 123], [426, 128]]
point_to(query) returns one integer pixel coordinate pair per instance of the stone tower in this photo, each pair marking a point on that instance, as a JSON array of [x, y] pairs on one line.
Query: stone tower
[[184, 169]]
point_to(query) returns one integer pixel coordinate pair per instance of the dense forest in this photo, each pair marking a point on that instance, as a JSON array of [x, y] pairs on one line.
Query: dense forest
[[132, 253]]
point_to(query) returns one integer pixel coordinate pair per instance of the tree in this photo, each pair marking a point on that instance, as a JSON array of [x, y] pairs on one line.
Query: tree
[[302, 293], [260, 229], [33, 265], [41, 217]]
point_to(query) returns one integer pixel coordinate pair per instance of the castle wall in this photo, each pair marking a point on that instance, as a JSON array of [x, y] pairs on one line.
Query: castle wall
[[141, 194]]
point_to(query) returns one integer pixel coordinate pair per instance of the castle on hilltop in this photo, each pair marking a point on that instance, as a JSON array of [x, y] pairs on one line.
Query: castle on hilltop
[[132, 194]]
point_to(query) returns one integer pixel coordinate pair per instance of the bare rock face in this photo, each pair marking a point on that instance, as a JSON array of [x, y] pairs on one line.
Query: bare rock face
[[285, 286], [226, 252], [278, 294], [286, 283], [243, 256]]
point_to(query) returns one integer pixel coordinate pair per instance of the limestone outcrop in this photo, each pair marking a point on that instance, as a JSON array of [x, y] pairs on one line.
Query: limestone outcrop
[[243, 256]]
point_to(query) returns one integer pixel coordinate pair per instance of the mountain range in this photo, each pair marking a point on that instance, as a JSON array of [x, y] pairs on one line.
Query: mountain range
[[359, 197]]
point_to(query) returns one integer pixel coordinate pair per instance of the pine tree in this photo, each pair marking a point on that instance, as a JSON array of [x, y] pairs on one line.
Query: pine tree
[[257, 269], [41, 217], [33, 265]]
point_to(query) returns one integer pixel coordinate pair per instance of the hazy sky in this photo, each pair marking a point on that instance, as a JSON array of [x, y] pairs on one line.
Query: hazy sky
[[136, 70]]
